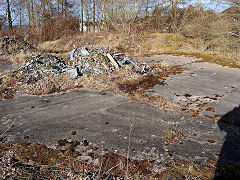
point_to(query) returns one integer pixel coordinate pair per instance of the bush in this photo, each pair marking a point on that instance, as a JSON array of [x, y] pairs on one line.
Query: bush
[[217, 32]]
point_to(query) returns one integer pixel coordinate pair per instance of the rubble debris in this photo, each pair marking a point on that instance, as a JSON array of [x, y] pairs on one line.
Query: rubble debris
[[42, 64], [43, 68], [98, 60], [112, 61], [95, 62]]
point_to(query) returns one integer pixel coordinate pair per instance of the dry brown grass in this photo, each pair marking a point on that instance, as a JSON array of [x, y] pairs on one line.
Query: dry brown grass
[[52, 84], [14, 50], [16, 59], [67, 44], [145, 44], [129, 84], [108, 82]]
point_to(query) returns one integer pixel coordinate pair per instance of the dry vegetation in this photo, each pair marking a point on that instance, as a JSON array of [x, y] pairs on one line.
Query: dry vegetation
[[147, 44], [190, 31], [15, 50], [166, 28], [51, 84], [37, 161]]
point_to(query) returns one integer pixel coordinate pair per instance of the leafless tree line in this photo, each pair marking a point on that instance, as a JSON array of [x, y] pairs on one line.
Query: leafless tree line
[[176, 16], [113, 13]]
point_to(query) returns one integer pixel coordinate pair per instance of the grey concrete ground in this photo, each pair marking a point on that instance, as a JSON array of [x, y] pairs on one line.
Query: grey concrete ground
[[5, 67], [106, 119], [210, 88]]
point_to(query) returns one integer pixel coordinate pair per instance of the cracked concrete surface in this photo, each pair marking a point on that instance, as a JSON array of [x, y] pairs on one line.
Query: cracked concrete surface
[[106, 119], [5, 67]]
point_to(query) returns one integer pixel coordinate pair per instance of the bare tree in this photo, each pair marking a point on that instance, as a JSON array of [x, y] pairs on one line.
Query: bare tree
[[9, 15], [2, 20], [66, 6], [82, 23], [94, 15], [230, 2]]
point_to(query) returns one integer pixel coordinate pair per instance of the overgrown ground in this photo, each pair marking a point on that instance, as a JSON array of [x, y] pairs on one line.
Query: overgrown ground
[[29, 157], [146, 44], [35, 161], [134, 45]]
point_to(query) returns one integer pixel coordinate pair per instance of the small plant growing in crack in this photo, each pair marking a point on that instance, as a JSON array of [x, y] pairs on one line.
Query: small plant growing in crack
[[172, 136]]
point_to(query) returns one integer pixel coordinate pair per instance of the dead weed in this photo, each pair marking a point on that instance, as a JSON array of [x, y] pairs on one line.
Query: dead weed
[[52, 84], [133, 85]]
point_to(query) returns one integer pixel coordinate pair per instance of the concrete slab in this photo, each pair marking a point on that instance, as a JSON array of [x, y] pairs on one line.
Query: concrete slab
[[5, 67], [106, 119], [217, 87], [167, 59]]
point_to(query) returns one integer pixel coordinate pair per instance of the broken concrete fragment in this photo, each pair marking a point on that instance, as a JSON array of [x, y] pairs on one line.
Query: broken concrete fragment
[[84, 51], [112, 61], [72, 54], [73, 72], [98, 60]]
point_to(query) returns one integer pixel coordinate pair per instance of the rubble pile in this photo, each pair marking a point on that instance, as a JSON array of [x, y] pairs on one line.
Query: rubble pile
[[82, 61], [103, 60], [39, 65], [45, 70]]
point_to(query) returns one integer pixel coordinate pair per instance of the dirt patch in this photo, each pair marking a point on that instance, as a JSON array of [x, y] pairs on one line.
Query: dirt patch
[[118, 164], [172, 136], [8, 85], [157, 76]]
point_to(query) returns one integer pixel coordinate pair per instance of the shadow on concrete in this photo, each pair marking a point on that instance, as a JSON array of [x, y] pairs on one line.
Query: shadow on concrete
[[228, 165]]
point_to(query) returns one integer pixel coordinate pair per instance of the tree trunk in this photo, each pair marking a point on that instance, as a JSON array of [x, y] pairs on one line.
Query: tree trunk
[[82, 16], [9, 15], [62, 6], [87, 15], [33, 14], [146, 10], [94, 15], [20, 17], [58, 7], [65, 4]]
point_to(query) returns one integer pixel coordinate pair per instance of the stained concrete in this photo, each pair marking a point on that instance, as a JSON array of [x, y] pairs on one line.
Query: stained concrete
[[106, 119], [5, 67]]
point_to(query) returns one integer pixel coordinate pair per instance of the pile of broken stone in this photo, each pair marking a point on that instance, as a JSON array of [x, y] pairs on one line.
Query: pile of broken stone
[[82, 61]]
